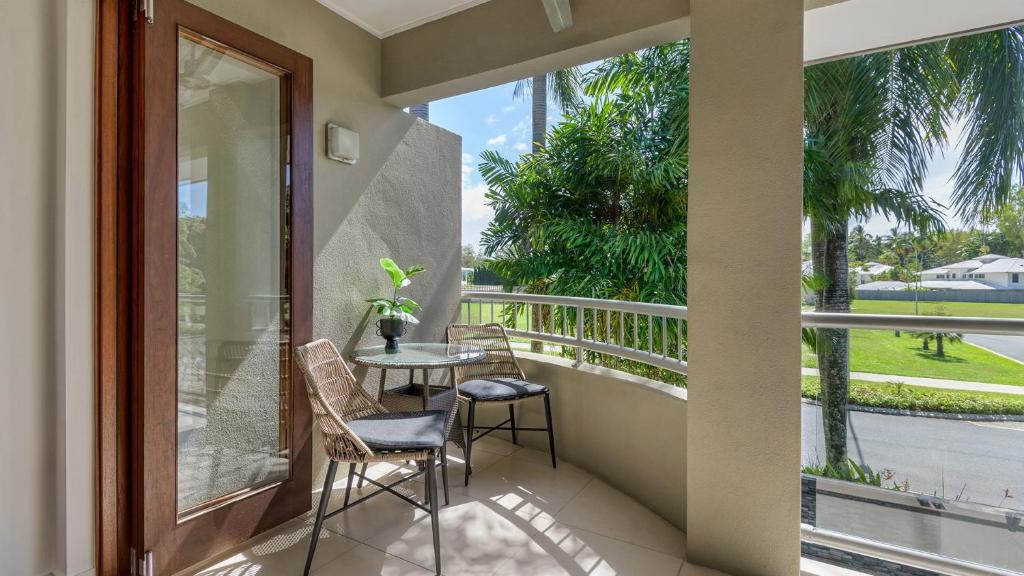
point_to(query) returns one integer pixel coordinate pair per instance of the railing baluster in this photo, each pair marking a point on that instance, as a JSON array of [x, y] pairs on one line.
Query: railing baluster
[[664, 337], [679, 338], [636, 338], [650, 336], [579, 335]]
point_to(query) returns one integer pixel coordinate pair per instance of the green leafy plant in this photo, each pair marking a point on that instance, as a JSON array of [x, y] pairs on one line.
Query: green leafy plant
[[859, 473], [397, 307]]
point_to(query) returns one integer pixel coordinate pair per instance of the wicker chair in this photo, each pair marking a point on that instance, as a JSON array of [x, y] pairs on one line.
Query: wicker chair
[[356, 429], [497, 379]]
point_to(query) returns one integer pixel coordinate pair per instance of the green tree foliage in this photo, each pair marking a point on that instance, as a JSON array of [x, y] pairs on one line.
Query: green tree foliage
[[191, 237]]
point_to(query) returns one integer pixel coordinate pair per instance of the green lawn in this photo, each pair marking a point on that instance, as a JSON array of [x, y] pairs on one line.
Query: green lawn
[[903, 397], [978, 309], [881, 352], [477, 313]]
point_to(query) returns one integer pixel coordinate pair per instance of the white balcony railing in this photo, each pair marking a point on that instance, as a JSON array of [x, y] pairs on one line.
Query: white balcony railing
[[654, 334], [648, 333]]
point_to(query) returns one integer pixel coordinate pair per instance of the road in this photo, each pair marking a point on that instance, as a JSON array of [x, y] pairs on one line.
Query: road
[[1011, 346], [977, 460]]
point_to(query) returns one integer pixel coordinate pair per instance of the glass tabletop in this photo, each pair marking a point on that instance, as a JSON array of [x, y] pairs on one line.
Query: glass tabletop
[[418, 355]]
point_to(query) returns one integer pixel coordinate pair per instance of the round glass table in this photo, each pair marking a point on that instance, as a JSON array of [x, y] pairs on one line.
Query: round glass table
[[413, 356]]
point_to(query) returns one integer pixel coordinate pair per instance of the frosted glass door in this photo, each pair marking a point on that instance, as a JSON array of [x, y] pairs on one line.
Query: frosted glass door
[[232, 275]]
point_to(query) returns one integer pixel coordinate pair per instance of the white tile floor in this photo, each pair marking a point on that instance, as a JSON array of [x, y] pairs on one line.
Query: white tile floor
[[518, 517]]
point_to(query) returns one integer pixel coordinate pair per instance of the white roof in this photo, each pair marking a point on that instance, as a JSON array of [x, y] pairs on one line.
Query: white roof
[[954, 285], [1014, 265], [967, 265], [884, 286], [891, 285]]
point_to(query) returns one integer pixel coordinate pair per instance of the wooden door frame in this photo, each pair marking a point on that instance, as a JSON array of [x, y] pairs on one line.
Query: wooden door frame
[[113, 137], [118, 132]]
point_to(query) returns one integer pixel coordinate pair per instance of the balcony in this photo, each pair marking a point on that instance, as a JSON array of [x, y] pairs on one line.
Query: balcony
[[616, 503]]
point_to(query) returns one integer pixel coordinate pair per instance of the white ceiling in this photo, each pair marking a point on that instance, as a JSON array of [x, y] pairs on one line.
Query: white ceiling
[[386, 17]]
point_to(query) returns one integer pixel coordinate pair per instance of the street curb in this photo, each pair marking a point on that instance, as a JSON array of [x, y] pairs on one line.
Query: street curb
[[923, 414]]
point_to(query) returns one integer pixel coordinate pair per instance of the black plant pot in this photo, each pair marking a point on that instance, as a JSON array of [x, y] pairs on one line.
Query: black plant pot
[[391, 329]]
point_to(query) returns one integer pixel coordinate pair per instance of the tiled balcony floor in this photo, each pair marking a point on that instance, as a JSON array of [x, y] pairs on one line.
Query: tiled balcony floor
[[518, 517]]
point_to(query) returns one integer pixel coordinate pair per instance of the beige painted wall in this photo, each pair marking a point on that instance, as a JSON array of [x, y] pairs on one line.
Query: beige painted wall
[[627, 430], [27, 219], [401, 200], [46, 323], [746, 181]]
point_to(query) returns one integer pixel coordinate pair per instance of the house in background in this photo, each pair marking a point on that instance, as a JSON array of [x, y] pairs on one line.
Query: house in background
[[869, 271], [991, 271]]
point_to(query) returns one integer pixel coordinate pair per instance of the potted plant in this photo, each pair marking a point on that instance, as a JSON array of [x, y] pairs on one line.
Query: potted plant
[[395, 312]]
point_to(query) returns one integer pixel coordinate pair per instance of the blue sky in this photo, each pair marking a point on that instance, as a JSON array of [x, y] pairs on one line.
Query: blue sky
[[488, 119], [492, 119]]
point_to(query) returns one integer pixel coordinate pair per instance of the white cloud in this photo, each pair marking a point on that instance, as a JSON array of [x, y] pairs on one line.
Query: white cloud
[[491, 119], [476, 214], [466, 158], [508, 108], [498, 140], [523, 129], [521, 146]]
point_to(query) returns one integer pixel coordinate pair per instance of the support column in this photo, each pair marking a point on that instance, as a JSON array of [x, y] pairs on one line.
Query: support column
[[746, 166]]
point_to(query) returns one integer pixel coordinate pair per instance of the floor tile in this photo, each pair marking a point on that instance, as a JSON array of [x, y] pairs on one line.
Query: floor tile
[[601, 509], [367, 519], [476, 538], [496, 445], [566, 550], [541, 487], [366, 561], [282, 552]]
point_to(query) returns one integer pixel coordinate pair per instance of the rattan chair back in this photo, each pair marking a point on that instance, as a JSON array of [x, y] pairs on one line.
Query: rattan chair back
[[336, 397], [492, 338]]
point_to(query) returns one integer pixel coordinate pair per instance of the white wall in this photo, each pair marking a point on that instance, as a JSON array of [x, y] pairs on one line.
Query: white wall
[[46, 408]]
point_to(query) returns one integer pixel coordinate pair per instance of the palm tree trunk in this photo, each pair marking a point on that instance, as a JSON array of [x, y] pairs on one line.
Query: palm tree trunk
[[828, 249], [940, 350], [421, 111], [539, 90]]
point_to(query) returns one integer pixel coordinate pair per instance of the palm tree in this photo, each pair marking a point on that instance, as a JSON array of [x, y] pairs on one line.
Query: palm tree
[[564, 87], [872, 124], [561, 86], [421, 111]]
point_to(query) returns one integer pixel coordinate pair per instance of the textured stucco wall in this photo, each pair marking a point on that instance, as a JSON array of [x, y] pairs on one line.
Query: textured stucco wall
[[746, 181], [401, 200], [627, 430]]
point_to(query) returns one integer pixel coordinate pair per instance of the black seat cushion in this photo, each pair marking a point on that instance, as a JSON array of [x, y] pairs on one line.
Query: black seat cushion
[[400, 431], [496, 389]]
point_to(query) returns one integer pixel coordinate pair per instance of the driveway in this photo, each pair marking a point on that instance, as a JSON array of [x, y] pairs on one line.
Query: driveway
[[976, 460], [1010, 346]]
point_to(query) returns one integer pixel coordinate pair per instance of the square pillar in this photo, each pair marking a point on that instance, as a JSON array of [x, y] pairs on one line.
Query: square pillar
[[746, 182]]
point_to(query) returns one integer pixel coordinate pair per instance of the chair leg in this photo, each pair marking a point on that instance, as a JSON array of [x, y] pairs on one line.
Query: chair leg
[[434, 527], [348, 485], [444, 472], [551, 429], [361, 474], [325, 498], [469, 439], [512, 421]]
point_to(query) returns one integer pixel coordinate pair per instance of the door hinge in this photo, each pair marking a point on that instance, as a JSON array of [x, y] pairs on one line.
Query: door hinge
[[141, 566], [148, 9]]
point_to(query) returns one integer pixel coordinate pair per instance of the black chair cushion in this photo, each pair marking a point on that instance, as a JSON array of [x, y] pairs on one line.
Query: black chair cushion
[[401, 431], [496, 389]]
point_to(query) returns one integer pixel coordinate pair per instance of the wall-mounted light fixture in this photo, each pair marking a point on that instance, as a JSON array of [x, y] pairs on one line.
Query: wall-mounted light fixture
[[559, 14], [342, 144]]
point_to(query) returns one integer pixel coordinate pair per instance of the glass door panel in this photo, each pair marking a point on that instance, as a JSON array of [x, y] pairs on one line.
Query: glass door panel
[[233, 332]]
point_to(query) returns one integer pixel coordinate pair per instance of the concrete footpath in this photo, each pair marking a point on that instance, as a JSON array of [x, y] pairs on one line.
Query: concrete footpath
[[932, 382]]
